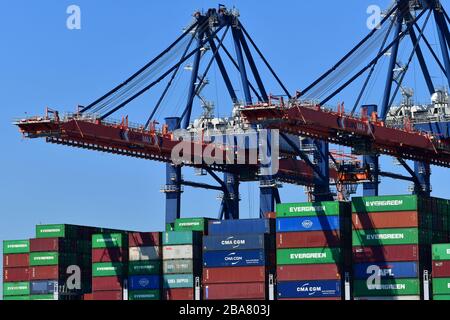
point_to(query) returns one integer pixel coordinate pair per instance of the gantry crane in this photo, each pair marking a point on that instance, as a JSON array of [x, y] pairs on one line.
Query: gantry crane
[[299, 120]]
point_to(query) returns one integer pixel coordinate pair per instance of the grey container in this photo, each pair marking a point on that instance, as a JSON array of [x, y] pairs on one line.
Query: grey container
[[181, 266]]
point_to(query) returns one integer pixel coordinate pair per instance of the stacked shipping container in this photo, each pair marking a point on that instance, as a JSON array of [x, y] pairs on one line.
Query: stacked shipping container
[[16, 262], [238, 256], [109, 261], [181, 262], [441, 271], [392, 239], [144, 267], [60, 262], [312, 250]]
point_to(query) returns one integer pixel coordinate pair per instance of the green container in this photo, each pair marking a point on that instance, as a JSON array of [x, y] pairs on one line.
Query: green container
[[385, 203], [178, 281], [382, 237], [389, 287], [441, 286], [107, 269], [441, 251], [16, 246], [16, 298], [307, 209], [442, 297], [144, 295], [144, 267], [309, 256], [111, 240], [44, 258], [56, 231], [16, 288], [191, 224], [181, 237], [42, 297]]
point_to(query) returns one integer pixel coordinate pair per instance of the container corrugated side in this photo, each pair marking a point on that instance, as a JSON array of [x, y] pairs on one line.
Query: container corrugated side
[[309, 256], [191, 224], [16, 246], [385, 203], [144, 253], [240, 258], [237, 242], [16, 288], [325, 223], [181, 252], [178, 281], [144, 295], [441, 251], [181, 237], [309, 289], [111, 240], [305, 209], [144, 267], [144, 282], [386, 270], [241, 226], [107, 269], [387, 288], [383, 237], [441, 285]]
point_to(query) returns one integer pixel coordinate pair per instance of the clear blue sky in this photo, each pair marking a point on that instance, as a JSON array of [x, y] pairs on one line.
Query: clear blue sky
[[42, 63]]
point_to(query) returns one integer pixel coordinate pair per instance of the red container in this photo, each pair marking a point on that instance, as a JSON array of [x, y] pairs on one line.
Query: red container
[[107, 284], [16, 260], [88, 296], [308, 272], [107, 295], [44, 273], [235, 291], [16, 274], [144, 239], [310, 239], [386, 253], [178, 294], [109, 255], [383, 220], [441, 269], [52, 244], [234, 274]]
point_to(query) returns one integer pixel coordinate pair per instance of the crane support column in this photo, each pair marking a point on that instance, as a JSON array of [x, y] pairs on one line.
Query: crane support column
[[393, 60], [372, 161], [441, 29], [322, 183], [241, 63], [268, 191], [232, 199], [172, 188], [423, 174]]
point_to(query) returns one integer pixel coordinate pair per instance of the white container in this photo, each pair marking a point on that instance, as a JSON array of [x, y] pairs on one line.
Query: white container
[[144, 253], [180, 252], [389, 298]]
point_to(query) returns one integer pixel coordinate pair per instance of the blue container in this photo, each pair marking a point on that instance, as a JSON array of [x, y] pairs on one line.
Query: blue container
[[151, 282], [43, 287], [241, 226], [325, 223], [237, 242], [309, 289], [386, 270], [240, 258]]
